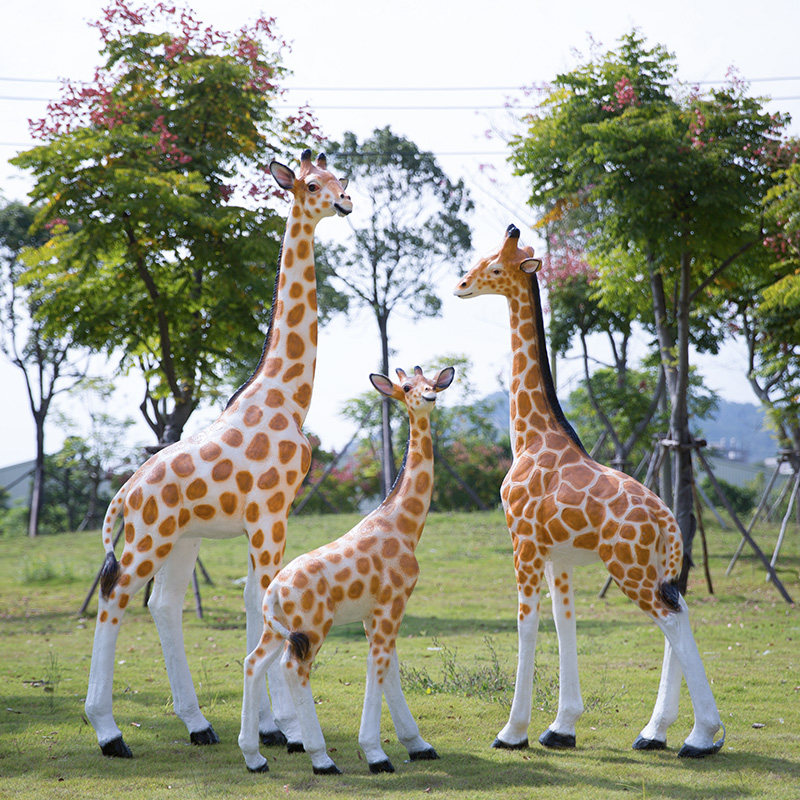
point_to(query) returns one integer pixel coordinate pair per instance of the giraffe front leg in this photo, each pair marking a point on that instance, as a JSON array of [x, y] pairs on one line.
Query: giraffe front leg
[[369, 735], [404, 723], [166, 607], [665, 712], [561, 732], [514, 735]]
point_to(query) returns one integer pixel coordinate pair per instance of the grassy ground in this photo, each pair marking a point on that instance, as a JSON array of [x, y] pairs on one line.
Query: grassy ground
[[458, 654]]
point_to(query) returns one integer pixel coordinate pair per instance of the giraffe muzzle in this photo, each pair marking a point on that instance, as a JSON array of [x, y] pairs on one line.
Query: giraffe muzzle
[[343, 207]]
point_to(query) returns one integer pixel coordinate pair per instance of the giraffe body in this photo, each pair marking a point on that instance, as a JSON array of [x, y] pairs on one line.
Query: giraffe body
[[563, 509], [239, 475], [368, 574]]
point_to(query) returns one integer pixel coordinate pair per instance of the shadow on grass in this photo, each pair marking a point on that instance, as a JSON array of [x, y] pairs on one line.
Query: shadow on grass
[[597, 772]]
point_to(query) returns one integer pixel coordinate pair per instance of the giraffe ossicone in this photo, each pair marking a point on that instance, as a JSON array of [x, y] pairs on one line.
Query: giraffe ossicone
[[368, 575], [563, 509], [237, 476]]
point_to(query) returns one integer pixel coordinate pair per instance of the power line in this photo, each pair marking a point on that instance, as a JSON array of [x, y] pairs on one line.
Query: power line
[[425, 88]]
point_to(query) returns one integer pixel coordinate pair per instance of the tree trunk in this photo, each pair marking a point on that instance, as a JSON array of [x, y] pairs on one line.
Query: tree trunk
[[389, 471], [37, 490], [675, 358]]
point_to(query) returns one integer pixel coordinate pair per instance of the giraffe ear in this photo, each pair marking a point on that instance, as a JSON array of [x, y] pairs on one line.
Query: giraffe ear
[[531, 265], [444, 379], [382, 384], [283, 175], [344, 182]]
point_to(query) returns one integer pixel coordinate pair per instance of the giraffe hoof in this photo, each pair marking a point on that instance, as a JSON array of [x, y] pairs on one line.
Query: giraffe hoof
[[381, 766], [557, 741], [499, 744], [424, 755], [295, 747], [116, 748], [331, 770], [208, 736], [272, 738], [690, 751], [648, 744], [263, 768]]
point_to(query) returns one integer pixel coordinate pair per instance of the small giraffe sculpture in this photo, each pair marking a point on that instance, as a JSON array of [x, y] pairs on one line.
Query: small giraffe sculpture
[[239, 475], [368, 574], [564, 509]]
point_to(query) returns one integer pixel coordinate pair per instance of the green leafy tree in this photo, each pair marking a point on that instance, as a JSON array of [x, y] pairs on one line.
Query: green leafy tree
[[676, 179], [415, 224], [158, 167], [770, 310], [50, 363]]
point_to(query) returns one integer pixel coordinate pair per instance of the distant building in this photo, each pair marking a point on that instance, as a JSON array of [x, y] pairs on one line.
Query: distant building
[[17, 481]]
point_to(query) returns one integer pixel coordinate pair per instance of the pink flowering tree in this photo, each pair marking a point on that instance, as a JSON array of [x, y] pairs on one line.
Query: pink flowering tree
[[675, 181], [157, 170]]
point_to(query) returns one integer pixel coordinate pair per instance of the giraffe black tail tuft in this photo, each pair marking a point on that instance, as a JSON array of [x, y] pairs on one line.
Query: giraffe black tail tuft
[[300, 645], [109, 575], [669, 593]]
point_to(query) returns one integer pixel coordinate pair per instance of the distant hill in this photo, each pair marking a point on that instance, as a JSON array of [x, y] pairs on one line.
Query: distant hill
[[737, 428]]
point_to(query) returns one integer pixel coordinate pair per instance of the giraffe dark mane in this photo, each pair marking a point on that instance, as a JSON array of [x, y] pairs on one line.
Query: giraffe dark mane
[[267, 338], [544, 366]]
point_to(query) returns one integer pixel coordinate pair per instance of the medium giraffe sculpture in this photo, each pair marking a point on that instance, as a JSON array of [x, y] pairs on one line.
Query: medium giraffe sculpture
[[564, 509], [239, 475], [368, 574]]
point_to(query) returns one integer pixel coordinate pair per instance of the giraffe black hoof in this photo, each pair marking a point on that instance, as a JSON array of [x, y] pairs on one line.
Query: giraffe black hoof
[[690, 751], [208, 736], [263, 768], [381, 766], [499, 744], [424, 755], [116, 748], [295, 747], [649, 744], [557, 741], [272, 738], [331, 770]]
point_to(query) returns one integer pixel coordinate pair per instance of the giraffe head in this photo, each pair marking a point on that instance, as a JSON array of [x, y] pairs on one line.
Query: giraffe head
[[505, 272], [314, 188], [417, 392]]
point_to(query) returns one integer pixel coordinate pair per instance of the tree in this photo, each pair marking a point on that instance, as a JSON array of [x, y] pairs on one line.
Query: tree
[[577, 311], [90, 461], [150, 165], [48, 362], [676, 179], [415, 224], [769, 308]]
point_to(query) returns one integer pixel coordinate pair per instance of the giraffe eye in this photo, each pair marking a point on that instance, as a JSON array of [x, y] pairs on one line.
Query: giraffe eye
[[496, 271], [313, 187], [406, 388]]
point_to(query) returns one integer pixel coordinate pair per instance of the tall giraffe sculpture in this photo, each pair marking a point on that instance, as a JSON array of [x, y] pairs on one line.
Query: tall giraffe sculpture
[[564, 509], [368, 574], [239, 475]]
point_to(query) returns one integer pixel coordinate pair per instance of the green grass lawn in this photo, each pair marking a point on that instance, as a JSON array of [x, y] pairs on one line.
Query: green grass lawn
[[458, 650]]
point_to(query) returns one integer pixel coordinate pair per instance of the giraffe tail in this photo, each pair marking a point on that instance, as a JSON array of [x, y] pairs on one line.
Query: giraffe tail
[[298, 641], [668, 590], [109, 573]]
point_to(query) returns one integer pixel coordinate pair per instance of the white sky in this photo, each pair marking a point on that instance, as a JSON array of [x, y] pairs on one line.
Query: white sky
[[479, 51]]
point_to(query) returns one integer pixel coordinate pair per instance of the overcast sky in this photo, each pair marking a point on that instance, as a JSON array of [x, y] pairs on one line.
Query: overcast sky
[[440, 73]]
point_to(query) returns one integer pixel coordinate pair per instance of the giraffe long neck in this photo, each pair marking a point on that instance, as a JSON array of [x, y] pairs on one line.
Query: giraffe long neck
[[410, 496], [288, 360], [534, 405]]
